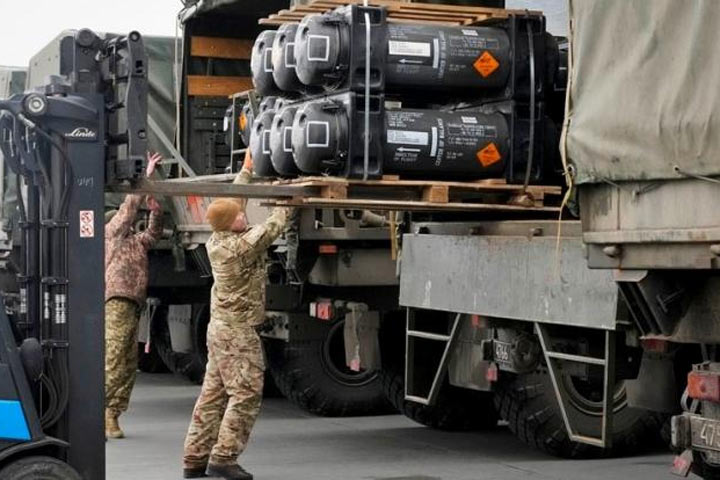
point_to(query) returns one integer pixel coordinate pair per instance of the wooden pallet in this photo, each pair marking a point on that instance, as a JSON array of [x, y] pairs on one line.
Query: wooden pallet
[[401, 12], [397, 194]]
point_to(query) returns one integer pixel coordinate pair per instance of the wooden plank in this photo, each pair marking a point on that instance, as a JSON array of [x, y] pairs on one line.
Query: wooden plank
[[491, 186], [217, 86], [217, 47], [334, 190], [409, 205], [207, 189], [402, 12], [436, 194]]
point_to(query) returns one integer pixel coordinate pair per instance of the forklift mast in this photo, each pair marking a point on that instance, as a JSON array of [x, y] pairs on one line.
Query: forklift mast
[[82, 127]]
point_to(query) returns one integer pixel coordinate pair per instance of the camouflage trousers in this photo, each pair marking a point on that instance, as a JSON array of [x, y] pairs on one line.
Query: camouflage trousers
[[121, 352], [230, 398]]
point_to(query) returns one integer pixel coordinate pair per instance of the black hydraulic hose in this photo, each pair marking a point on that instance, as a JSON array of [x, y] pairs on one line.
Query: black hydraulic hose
[[64, 201], [21, 202], [48, 412], [64, 392]]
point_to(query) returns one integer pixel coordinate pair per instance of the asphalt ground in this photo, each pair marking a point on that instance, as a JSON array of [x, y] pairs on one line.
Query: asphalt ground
[[289, 444]]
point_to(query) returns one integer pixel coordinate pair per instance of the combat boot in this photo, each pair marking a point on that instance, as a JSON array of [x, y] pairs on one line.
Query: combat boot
[[228, 472], [112, 426], [196, 472]]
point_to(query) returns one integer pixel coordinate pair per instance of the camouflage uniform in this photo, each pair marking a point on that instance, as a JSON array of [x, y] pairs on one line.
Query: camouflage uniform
[[231, 394], [126, 279]]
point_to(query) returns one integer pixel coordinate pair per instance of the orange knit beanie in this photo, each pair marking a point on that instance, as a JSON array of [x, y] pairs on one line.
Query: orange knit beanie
[[221, 214]]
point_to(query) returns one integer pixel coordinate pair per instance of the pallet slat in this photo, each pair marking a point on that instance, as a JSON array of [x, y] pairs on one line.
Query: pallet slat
[[406, 205], [217, 47], [216, 86], [402, 12]]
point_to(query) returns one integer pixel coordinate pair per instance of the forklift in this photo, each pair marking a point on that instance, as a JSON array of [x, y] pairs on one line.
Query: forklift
[[85, 128]]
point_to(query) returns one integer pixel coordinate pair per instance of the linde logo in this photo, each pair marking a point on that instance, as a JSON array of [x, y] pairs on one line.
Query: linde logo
[[82, 133]]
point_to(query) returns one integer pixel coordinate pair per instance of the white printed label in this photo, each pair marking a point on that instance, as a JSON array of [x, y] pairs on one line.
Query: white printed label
[[266, 142], [319, 132], [87, 224], [471, 120], [470, 33], [267, 60], [287, 139], [315, 44], [409, 49], [405, 137]]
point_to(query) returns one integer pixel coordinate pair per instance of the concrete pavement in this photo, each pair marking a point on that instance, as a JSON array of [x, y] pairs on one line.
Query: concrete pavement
[[289, 444]]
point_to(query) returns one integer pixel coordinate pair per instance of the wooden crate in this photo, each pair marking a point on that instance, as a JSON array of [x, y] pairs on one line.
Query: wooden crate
[[400, 12]]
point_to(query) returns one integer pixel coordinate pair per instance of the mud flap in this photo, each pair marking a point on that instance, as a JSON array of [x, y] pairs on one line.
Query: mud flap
[[362, 344]]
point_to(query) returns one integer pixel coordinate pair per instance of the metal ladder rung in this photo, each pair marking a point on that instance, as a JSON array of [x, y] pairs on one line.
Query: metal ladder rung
[[428, 335], [588, 440], [441, 370], [577, 358], [608, 364], [421, 400]]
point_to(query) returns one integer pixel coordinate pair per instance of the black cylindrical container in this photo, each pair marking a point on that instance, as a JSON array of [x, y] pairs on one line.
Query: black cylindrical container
[[281, 154], [260, 145], [447, 57], [413, 56], [283, 59], [436, 144], [321, 46], [415, 143], [261, 64], [320, 137]]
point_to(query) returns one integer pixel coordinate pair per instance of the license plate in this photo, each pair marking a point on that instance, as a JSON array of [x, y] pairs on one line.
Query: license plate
[[705, 433], [502, 353]]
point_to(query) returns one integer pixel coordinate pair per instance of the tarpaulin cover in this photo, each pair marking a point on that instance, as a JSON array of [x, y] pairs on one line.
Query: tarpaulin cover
[[643, 93]]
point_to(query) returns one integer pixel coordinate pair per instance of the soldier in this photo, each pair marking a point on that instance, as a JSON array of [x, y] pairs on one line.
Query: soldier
[[126, 278], [231, 394]]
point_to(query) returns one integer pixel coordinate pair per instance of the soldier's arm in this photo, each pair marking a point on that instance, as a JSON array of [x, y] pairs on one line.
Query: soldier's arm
[[154, 230], [244, 177], [123, 219], [259, 238]]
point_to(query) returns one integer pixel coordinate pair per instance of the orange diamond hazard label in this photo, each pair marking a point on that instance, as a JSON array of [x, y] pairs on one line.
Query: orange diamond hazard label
[[486, 64], [243, 122], [489, 155]]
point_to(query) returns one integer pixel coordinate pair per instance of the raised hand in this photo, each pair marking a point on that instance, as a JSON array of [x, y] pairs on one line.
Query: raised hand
[[248, 164], [153, 160]]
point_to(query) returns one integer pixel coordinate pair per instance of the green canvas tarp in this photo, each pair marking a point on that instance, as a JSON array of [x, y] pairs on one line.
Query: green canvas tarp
[[643, 94]]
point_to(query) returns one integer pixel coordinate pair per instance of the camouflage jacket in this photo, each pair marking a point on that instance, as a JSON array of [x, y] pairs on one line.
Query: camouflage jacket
[[238, 265], [126, 259]]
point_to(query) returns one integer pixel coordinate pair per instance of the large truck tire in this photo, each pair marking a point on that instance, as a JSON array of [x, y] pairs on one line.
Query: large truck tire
[[150, 362], [191, 365], [311, 374], [456, 409], [39, 467], [528, 403]]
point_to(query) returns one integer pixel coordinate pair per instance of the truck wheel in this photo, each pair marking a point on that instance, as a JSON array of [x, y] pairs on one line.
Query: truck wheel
[[39, 468], [705, 468], [191, 365], [150, 362], [456, 409], [527, 402], [312, 374]]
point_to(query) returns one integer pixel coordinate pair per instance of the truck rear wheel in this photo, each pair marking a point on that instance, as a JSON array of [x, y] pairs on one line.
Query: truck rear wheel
[[704, 467], [312, 374], [150, 362], [39, 467], [456, 409], [191, 364], [528, 403]]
